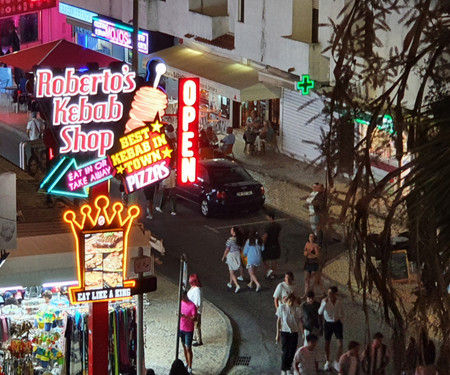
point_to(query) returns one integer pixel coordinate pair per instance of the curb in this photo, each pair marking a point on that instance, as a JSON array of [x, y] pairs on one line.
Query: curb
[[264, 173], [222, 315], [230, 335]]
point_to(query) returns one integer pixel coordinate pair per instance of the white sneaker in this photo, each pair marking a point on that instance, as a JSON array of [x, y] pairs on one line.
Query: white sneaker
[[326, 367], [149, 216], [229, 285], [240, 278], [336, 366], [269, 272], [173, 213], [158, 209], [238, 288]]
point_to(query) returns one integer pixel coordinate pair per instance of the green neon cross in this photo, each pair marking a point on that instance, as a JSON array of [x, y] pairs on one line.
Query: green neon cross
[[305, 84]]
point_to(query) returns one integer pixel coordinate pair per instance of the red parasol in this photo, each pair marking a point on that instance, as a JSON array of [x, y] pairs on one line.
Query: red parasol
[[57, 54]]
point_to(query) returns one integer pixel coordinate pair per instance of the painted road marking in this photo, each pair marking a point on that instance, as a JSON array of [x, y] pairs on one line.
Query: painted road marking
[[211, 229], [246, 224]]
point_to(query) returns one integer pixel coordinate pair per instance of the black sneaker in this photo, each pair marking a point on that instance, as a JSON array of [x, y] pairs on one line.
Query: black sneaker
[[197, 344]]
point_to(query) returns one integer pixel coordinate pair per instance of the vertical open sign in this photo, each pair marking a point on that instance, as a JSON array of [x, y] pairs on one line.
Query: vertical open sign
[[188, 117]]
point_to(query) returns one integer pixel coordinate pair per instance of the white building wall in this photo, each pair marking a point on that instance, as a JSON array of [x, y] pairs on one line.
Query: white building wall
[[393, 38], [232, 15], [263, 37]]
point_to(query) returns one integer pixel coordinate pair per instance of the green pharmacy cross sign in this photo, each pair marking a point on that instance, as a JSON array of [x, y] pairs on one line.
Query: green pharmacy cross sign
[[305, 84]]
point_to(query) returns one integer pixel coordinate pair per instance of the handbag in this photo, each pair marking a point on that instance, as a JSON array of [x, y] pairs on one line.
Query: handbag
[[243, 259]]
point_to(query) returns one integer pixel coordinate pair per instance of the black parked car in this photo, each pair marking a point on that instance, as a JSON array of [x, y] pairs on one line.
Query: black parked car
[[223, 185]]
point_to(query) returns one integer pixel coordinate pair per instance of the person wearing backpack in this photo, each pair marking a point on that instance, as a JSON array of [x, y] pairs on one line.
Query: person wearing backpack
[[35, 128]]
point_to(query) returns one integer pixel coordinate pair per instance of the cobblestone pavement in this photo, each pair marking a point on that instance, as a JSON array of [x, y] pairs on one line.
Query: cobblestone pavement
[[160, 333]]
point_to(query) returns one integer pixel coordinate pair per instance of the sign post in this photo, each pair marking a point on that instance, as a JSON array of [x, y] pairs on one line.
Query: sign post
[[140, 360], [188, 117]]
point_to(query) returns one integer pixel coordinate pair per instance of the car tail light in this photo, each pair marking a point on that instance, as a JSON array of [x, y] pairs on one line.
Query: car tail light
[[262, 190], [221, 195]]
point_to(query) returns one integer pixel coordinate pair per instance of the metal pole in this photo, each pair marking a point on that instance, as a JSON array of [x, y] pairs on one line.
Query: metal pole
[[135, 59], [183, 262], [140, 327]]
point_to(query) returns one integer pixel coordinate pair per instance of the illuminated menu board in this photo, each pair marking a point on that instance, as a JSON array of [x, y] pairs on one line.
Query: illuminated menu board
[[103, 260]]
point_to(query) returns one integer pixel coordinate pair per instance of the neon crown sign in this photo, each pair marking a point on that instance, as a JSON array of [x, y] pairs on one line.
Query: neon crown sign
[[101, 234]]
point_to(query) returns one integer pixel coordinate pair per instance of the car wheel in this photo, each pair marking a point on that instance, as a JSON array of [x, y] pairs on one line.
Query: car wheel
[[204, 208]]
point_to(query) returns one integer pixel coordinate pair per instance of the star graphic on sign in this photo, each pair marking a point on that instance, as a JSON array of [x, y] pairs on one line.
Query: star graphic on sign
[[120, 169], [167, 152], [156, 126]]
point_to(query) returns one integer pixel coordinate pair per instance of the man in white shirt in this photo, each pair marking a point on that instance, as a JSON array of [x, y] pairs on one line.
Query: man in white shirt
[[34, 127], [333, 315], [284, 288], [288, 327], [305, 360], [195, 295]]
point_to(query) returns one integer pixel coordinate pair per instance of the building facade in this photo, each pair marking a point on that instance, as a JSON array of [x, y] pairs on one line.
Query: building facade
[[246, 52]]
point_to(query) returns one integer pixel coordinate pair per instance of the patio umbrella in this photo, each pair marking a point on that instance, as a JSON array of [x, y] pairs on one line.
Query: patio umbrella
[[57, 54]]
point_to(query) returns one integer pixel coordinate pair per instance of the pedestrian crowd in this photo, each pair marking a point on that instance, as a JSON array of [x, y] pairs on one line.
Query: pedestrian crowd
[[303, 318], [310, 320]]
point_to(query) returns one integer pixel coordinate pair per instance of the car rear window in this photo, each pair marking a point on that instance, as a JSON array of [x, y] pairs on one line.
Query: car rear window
[[229, 175]]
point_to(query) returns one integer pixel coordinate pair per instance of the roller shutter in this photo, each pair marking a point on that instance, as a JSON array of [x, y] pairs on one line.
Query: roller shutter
[[297, 129]]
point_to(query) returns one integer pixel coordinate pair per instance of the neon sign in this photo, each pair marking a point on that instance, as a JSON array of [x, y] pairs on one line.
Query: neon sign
[[73, 113], [188, 116], [90, 112], [67, 178], [144, 157], [75, 12], [305, 84], [75, 140], [387, 122], [101, 240], [119, 34], [89, 174], [11, 7], [61, 88]]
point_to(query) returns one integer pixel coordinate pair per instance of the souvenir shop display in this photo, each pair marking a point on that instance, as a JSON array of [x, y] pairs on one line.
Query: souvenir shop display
[[47, 336]]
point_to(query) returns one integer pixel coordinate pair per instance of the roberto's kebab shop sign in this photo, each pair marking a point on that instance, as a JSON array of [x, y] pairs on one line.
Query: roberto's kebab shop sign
[[106, 124]]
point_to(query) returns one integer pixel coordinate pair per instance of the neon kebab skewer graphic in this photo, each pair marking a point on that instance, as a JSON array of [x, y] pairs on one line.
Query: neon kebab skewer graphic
[[149, 101]]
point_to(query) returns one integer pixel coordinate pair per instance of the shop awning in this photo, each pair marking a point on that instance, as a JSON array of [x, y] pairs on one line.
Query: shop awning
[[236, 81], [51, 258], [57, 54]]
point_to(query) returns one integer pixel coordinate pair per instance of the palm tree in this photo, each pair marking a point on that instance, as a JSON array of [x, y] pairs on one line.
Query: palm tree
[[368, 83]]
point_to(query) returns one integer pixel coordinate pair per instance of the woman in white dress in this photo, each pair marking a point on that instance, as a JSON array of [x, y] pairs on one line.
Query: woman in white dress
[[232, 256]]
